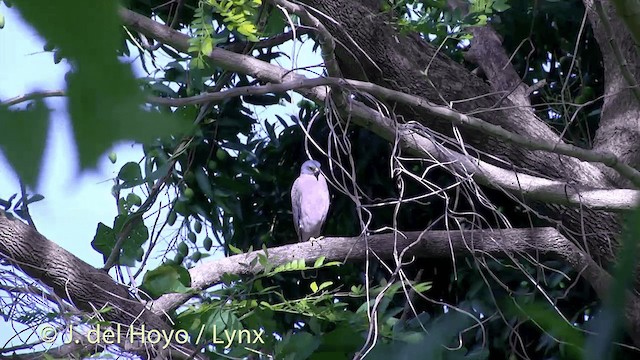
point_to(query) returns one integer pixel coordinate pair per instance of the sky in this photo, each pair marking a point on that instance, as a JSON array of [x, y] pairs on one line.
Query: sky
[[74, 202], [64, 216]]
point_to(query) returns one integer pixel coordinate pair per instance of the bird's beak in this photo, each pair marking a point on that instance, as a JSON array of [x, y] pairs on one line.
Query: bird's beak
[[316, 172]]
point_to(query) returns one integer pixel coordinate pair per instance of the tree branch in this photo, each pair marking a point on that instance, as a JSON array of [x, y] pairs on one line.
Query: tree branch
[[32, 96], [538, 242], [490, 175], [239, 46], [72, 279], [431, 244], [618, 131], [487, 52], [443, 112], [325, 39], [615, 49], [629, 11]]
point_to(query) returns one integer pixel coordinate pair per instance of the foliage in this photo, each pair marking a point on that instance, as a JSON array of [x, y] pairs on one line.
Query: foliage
[[531, 31], [228, 174], [237, 17]]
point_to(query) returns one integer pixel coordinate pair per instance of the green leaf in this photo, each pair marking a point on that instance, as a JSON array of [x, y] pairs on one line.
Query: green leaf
[[183, 249], [357, 290], [196, 256], [105, 239], [333, 263], [302, 344], [171, 218], [23, 135], [344, 339], [319, 262], [131, 174], [234, 249], [203, 182], [161, 171], [325, 285], [197, 227], [166, 279], [263, 260], [266, 305], [314, 287], [134, 199], [104, 100], [221, 320], [207, 243], [35, 198], [113, 157], [501, 6], [422, 287]]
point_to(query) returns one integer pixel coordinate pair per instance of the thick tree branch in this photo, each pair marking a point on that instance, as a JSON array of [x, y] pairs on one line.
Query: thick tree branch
[[537, 242], [619, 127], [487, 52], [629, 11], [454, 116], [436, 110], [616, 51], [72, 279], [490, 175]]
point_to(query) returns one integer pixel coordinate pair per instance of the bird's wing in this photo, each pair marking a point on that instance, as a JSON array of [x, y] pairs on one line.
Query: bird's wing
[[296, 194], [325, 199]]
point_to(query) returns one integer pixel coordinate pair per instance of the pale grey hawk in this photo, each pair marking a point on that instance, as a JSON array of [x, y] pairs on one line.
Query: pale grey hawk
[[309, 201]]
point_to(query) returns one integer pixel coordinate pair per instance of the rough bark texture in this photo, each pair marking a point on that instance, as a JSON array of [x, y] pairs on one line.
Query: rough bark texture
[[397, 61], [72, 279], [412, 139], [488, 53], [371, 49], [502, 243], [537, 242], [619, 130], [89, 288]]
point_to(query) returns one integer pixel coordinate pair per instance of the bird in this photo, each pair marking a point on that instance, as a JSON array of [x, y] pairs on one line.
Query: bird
[[309, 201]]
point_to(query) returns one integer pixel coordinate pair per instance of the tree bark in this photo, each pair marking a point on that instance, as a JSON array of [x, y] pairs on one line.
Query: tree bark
[[85, 287], [373, 50], [500, 243], [400, 62], [619, 130]]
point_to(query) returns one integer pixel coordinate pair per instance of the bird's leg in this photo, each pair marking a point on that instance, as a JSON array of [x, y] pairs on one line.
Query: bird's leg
[[314, 239]]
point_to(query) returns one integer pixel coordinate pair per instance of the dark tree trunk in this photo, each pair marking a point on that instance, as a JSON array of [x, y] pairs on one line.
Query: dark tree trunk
[[379, 53], [619, 131]]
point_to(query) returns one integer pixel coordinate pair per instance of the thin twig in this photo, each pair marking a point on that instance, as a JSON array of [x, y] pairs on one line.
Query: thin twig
[[25, 206], [273, 41], [442, 112], [33, 96]]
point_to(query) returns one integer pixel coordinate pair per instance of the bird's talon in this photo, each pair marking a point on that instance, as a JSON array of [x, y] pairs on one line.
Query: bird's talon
[[313, 240]]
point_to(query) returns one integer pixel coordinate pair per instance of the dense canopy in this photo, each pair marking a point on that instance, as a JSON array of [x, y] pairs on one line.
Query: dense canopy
[[483, 160]]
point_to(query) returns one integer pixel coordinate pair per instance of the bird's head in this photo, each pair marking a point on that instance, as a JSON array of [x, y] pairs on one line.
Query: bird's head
[[310, 167]]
